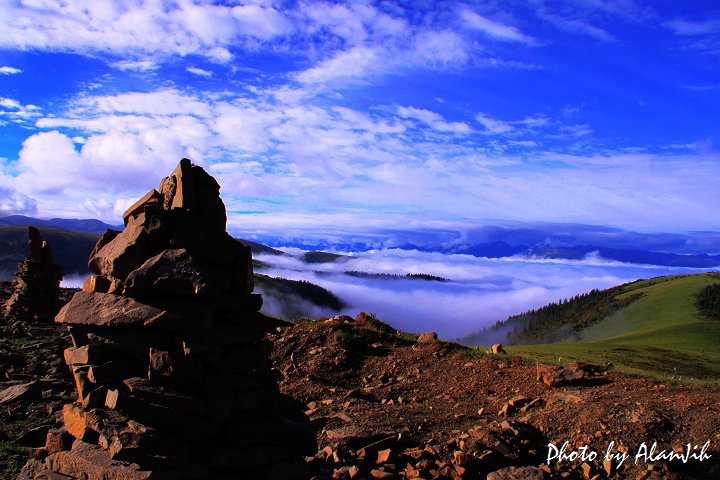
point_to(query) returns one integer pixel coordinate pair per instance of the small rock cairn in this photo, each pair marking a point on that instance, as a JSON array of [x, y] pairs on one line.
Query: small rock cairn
[[169, 353], [36, 288]]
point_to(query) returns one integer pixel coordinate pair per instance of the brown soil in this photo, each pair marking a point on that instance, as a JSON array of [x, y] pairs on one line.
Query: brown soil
[[362, 383]]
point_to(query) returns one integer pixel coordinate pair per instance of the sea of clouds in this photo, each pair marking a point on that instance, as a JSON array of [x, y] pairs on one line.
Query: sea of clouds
[[479, 291]]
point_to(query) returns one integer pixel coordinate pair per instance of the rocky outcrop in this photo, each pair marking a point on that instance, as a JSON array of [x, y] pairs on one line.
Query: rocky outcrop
[[170, 356], [36, 288]]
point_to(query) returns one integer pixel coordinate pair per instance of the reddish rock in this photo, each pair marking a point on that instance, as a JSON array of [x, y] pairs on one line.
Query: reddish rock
[[93, 463], [81, 424], [569, 374], [95, 283], [427, 337], [106, 309], [124, 253], [172, 273], [174, 369], [517, 473], [153, 196], [20, 391], [85, 355], [58, 439]]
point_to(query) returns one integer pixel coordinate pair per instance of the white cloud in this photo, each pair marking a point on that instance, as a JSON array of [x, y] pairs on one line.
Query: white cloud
[[199, 72], [9, 70], [496, 30], [346, 66], [13, 202], [434, 120], [136, 65], [382, 167], [16, 111], [138, 28], [479, 291], [493, 125]]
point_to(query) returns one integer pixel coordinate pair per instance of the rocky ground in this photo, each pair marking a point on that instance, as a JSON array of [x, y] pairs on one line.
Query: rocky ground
[[34, 384], [389, 405]]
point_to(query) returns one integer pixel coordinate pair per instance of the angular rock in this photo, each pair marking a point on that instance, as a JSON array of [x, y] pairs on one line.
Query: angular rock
[[124, 253], [20, 391], [517, 473], [145, 390], [427, 337], [153, 196], [95, 283], [80, 424], [172, 273], [58, 439], [93, 463], [193, 427], [497, 349], [174, 369], [106, 309], [86, 355], [114, 371], [573, 373], [132, 342]]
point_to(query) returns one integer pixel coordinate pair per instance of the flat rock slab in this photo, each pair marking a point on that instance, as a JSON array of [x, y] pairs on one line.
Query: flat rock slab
[[107, 309], [18, 392], [93, 463]]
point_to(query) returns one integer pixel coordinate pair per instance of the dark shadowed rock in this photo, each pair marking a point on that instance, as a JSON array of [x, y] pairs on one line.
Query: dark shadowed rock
[[172, 273], [124, 253], [106, 309], [36, 288]]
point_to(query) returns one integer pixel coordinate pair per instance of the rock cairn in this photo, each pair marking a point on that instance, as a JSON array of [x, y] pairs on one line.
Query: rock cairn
[[170, 355], [36, 288]]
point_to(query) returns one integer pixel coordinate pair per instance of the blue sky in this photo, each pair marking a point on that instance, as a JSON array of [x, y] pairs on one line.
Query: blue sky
[[367, 116]]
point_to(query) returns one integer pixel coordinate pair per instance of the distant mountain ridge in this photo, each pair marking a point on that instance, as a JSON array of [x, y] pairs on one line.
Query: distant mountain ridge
[[79, 225]]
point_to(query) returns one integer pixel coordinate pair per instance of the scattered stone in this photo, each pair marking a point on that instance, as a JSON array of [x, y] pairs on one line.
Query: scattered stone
[[427, 337], [573, 373], [18, 392], [517, 473]]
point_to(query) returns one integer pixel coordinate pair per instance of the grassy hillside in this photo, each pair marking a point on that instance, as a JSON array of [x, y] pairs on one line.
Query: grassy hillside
[[661, 333]]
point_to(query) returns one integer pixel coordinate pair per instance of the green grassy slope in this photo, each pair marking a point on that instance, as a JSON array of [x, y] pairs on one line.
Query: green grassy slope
[[660, 334]]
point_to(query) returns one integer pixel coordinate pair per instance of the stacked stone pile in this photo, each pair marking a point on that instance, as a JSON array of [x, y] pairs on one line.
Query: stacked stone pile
[[36, 288], [170, 355]]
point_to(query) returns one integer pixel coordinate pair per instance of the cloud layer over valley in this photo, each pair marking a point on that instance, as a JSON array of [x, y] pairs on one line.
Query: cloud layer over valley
[[478, 291]]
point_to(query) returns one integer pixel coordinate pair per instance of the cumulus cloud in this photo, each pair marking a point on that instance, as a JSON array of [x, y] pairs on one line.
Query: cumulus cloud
[[5, 70], [16, 112], [478, 292], [15, 203], [385, 159]]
